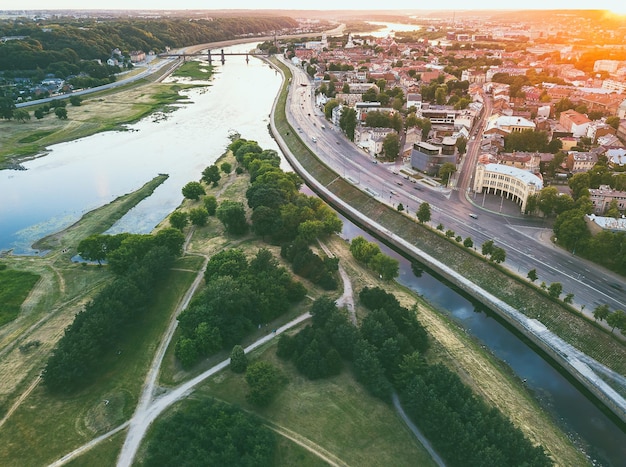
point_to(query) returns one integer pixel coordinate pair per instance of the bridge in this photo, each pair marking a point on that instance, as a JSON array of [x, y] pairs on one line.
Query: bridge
[[221, 54]]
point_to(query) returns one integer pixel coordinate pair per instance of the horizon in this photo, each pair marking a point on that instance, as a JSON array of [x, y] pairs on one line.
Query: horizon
[[615, 6]]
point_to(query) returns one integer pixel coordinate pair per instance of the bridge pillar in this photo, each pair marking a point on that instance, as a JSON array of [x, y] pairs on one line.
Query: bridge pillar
[[223, 58], [209, 57], [247, 59]]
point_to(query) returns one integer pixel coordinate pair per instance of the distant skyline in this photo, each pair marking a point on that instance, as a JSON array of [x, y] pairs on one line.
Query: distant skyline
[[618, 6]]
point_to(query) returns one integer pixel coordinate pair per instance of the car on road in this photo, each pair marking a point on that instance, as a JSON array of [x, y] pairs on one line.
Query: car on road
[[314, 139], [473, 216]]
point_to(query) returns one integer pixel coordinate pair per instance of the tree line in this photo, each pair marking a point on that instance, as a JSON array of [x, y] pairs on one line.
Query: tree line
[[139, 264], [211, 433], [386, 353], [52, 42]]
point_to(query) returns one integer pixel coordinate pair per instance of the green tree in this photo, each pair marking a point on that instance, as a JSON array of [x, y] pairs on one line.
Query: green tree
[[198, 216], [387, 267], [391, 146], [210, 204], [613, 121], [445, 171], [61, 113], [211, 175], [7, 107], [468, 243], [179, 220], [555, 289], [487, 248], [76, 101], [264, 382], [348, 121], [617, 319], [238, 359], [193, 190], [601, 312], [423, 213], [226, 167], [329, 106], [569, 298], [498, 255], [532, 275], [233, 217], [39, 113], [21, 115], [461, 144]]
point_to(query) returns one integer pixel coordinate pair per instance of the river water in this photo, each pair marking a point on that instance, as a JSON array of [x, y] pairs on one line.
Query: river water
[[76, 177]]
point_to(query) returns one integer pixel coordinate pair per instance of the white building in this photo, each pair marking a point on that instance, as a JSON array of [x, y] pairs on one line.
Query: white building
[[504, 180]]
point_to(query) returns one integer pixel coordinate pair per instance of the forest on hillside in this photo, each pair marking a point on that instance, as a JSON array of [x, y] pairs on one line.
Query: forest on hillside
[[44, 44]]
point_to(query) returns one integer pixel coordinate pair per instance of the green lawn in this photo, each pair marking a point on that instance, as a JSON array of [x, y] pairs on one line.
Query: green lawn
[[14, 288]]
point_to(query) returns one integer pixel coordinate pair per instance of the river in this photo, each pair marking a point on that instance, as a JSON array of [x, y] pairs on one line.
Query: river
[[78, 176]]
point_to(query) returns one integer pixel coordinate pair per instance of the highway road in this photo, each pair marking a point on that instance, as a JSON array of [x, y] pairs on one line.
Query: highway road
[[525, 239]]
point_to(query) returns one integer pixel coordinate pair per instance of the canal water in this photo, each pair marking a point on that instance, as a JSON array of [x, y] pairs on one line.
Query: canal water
[[79, 176]]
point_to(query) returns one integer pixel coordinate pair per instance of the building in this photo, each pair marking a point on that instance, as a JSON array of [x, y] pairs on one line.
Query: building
[[508, 124], [503, 180], [429, 158], [137, 56], [574, 122], [371, 139], [581, 161], [599, 224], [616, 156], [601, 198]]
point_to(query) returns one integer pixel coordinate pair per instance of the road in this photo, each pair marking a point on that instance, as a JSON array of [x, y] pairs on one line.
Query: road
[[526, 240]]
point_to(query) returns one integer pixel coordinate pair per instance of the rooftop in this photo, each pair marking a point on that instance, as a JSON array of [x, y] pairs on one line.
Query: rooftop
[[524, 175]]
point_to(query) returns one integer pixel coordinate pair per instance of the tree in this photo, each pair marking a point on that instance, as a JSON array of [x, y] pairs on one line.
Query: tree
[[569, 298], [211, 175], [198, 216], [179, 220], [7, 107], [532, 275], [391, 146], [468, 243], [233, 217], [487, 248], [613, 121], [39, 113], [21, 115], [445, 171], [61, 113], [387, 267], [555, 289], [210, 204], [601, 312], [193, 190], [423, 213], [400, 207], [264, 382], [238, 359], [498, 255], [76, 101], [226, 167], [348, 121], [461, 144], [617, 319]]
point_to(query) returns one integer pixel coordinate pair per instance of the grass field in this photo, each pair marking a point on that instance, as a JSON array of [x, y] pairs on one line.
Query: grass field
[[102, 111], [14, 288], [195, 70]]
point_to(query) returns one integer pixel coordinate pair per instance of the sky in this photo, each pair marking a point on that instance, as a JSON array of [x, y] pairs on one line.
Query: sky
[[613, 5]]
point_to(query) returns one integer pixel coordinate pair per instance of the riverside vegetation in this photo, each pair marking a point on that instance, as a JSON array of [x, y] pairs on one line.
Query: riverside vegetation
[[82, 406]]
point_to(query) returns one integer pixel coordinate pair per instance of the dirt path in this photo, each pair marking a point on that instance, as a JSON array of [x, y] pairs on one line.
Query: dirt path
[[309, 445], [347, 298], [19, 400]]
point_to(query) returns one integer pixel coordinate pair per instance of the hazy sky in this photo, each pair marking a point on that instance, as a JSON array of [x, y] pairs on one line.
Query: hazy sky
[[614, 5]]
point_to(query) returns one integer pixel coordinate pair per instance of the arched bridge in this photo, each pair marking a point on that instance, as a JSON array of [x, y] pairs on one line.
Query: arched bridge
[[211, 55]]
